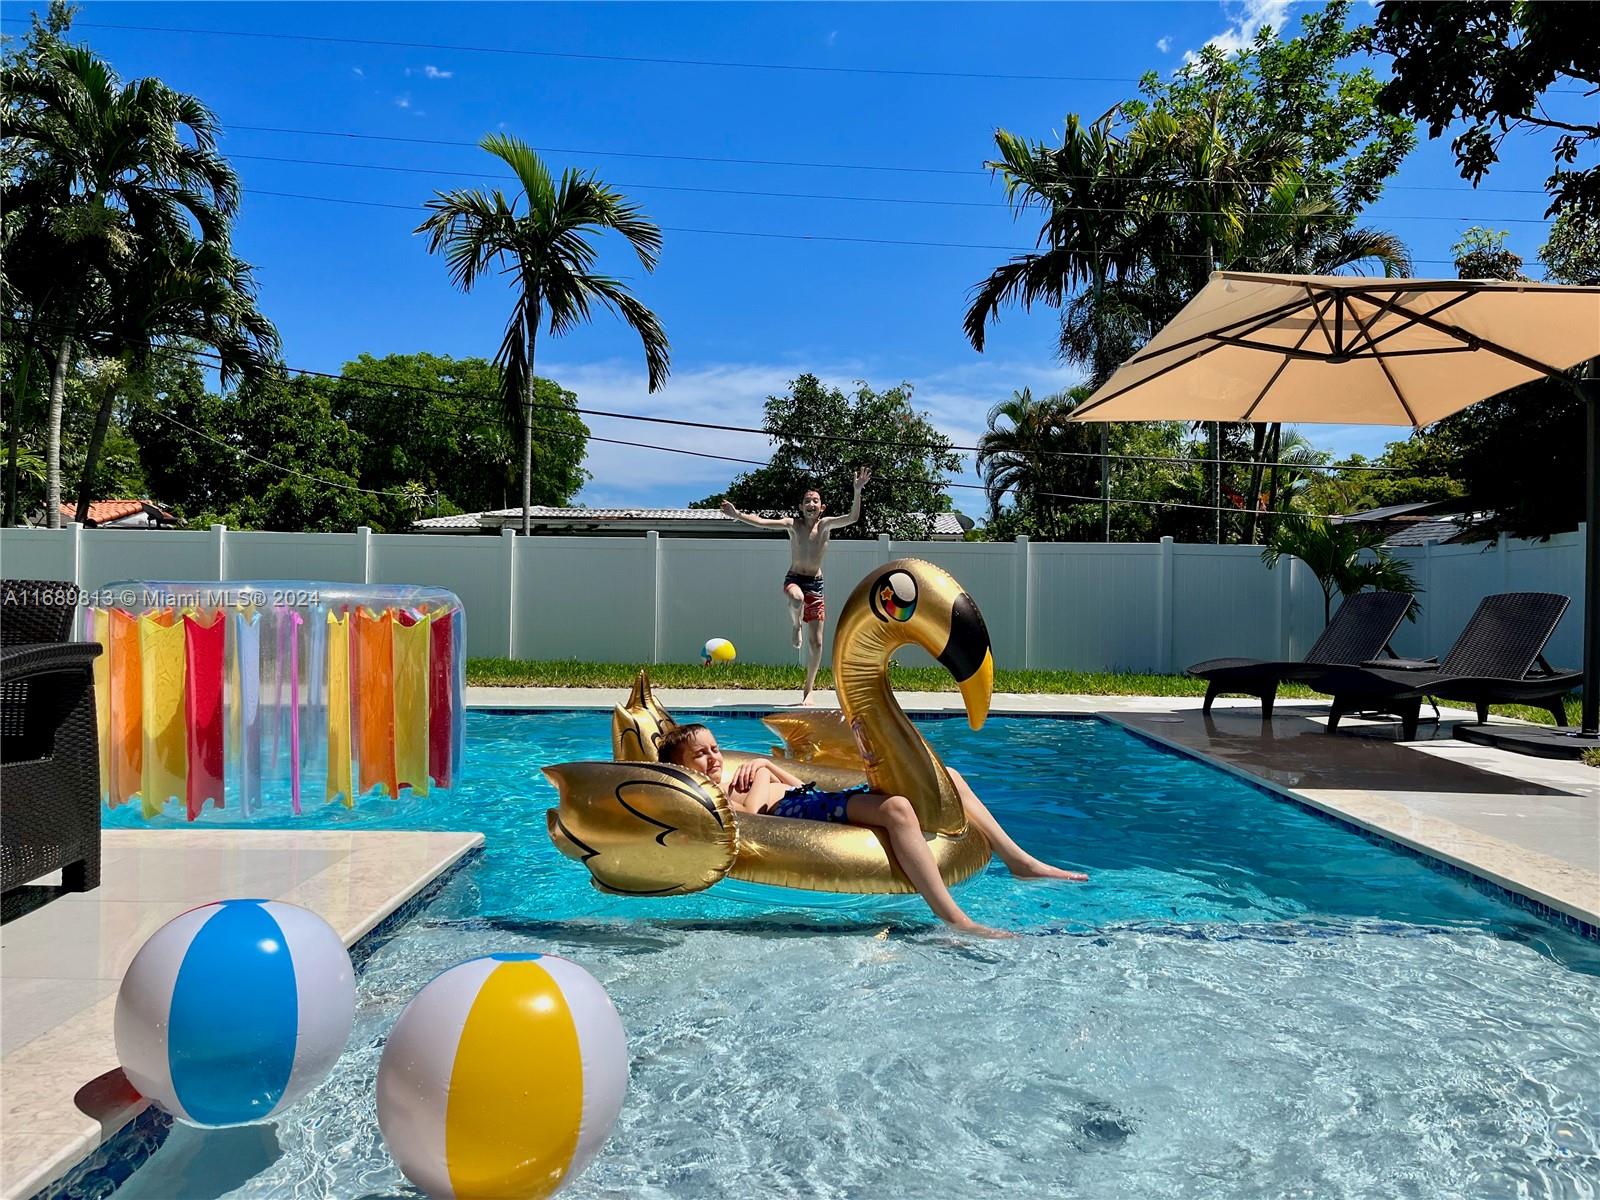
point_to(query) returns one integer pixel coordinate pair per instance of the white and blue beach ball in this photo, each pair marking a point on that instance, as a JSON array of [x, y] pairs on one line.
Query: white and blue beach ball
[[502, 1077], [233, 1011]]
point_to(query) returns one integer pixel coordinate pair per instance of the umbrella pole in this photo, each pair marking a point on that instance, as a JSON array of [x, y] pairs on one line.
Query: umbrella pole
[[1591, 565]]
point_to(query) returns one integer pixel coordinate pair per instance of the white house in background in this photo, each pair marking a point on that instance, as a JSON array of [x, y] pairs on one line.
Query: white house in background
[[634, 522]]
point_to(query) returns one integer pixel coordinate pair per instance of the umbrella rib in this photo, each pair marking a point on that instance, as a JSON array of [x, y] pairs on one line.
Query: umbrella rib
[[1282, 367], [1473, 341], [1261, 321], [1408, 318], [1377, 356]]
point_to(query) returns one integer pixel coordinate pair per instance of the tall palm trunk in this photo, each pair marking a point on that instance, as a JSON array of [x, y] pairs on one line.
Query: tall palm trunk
[[1257, 467], [532, 328], [13, 436], [91, 456], [52, 443], [1275, 452], [1105, 477], [21, 382]]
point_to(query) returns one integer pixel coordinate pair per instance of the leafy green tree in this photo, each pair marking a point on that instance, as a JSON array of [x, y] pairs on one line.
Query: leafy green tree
[[1488, 63], [823, 434], [1519, 455], [1572, 252], [1482, 254], [1423, 468], [1260, 160], [272, 454], [112, 172], [421, 421], [547, 251], [1344, 556]]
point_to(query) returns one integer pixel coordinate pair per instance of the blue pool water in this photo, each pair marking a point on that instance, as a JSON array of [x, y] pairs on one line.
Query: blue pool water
[[1246, 999]]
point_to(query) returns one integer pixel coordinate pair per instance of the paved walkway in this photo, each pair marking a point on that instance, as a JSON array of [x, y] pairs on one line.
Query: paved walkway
[[61, 1091], [1531, 825]]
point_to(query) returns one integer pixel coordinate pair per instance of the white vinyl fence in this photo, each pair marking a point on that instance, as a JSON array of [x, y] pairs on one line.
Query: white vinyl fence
[[1082, 606]]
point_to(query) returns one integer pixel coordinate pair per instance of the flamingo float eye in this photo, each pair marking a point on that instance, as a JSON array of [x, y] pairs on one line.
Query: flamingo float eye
[[894, 597]]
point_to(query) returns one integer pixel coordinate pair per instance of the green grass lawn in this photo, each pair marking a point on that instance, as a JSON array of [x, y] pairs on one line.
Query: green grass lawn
[[505, 672]]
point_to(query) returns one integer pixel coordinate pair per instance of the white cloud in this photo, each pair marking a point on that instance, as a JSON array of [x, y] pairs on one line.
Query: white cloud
[[432, 72], [402, 101], [1246, 18], [1164, 44], [957, 400], [833, 37], [358, 72]]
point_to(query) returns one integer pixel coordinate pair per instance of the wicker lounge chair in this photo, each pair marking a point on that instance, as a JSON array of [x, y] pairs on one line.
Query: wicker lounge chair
[[1498, 659], [49, 761], [1359, 632]]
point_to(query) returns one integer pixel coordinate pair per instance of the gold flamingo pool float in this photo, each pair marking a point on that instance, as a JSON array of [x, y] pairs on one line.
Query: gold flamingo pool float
[[648, 828]]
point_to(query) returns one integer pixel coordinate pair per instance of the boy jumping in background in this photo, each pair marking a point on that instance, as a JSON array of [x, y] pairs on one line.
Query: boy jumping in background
[[808, 531]]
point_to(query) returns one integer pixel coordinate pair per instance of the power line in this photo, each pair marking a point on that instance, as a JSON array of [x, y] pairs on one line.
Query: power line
[[744, 461], [752, 233], [333, 483], [893, 72], [612, 58], [718, 427], [662, 187], [818, 166]]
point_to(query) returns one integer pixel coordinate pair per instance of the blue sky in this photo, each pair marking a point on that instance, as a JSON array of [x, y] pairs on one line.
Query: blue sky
[[745, 314]]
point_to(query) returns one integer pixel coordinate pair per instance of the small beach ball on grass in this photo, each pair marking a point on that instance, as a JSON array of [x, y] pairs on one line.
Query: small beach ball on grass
[[502, 1077], [718, 650], [233, 1011]]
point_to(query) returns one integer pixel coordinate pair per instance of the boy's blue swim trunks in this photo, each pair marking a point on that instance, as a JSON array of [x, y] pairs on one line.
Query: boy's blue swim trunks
[[809, 804]]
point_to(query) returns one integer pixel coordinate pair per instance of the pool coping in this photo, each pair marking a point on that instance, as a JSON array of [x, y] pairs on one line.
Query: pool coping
[[39, 1163], [1559, 891]]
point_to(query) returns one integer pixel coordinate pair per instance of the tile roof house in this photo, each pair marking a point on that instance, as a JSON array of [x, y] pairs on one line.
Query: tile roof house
[[122, 514], [668, 522]]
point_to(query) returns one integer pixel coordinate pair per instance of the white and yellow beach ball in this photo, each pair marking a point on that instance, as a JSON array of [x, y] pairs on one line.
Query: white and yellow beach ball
[[502, 1077], [718, 650]]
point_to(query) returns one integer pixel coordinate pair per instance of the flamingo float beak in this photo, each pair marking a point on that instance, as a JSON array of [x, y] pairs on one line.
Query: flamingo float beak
[[968, 657]]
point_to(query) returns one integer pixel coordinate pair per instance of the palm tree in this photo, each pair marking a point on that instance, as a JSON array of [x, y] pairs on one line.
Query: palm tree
[[127, 168], [1334, 551], [192, 292], [546, 249], [1032, 452]]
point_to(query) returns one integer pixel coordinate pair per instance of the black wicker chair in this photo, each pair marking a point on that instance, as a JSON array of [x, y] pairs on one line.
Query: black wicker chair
[[1360, 631], [49, 750], [1498, 659]]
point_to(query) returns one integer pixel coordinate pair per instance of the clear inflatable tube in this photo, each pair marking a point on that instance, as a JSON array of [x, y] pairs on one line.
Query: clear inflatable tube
[[260, 693]]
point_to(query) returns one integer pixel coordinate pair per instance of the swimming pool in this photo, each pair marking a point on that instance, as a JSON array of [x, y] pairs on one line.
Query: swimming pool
[[1246, 999]]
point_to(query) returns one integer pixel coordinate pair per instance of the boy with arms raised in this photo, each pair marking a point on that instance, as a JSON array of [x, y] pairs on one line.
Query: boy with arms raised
[[809, 531]]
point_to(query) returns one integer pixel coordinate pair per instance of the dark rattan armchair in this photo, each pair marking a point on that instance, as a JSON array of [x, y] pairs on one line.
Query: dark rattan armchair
[[49, 755]]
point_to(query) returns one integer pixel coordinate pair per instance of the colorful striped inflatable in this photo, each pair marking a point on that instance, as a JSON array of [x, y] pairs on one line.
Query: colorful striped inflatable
[[502, 1077], [255, 692], [233, 1011]]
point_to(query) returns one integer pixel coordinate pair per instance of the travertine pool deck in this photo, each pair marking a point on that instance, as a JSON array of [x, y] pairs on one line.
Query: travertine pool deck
[[61, 1092], [1529, 825]]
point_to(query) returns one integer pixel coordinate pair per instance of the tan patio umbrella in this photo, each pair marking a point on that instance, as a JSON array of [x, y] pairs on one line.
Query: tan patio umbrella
[[1358, 350]]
